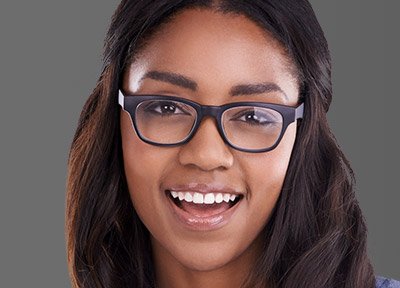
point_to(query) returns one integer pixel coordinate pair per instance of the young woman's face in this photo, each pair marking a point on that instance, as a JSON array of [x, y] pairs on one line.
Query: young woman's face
[[217, 52]]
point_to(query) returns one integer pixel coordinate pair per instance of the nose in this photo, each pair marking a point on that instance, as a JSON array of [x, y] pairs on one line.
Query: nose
[[206, 150]]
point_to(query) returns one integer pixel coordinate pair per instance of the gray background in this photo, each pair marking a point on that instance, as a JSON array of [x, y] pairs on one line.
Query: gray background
[[50, 61]]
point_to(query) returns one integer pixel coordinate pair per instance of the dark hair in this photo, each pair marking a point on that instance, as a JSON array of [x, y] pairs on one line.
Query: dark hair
[[316, 236]]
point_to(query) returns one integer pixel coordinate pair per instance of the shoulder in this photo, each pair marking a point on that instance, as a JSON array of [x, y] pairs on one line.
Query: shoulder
[[382, 282]]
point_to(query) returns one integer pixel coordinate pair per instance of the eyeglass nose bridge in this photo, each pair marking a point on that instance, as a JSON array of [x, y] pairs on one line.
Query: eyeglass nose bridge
[[208, 110], [212, 111]]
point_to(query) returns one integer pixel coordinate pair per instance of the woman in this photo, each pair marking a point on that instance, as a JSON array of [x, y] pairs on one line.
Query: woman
[[203, 158]]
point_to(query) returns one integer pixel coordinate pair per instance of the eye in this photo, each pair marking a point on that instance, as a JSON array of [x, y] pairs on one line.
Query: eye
[[165, 108], [256, 116]]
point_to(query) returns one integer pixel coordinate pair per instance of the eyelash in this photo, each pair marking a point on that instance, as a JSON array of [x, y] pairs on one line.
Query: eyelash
[[252, 122], [152, 107]]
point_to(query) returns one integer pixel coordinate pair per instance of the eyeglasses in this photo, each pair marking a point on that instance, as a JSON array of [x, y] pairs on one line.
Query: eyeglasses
[[246, 126]]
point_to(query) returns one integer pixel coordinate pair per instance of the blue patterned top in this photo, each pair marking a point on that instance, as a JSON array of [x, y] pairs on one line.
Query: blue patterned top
[[382, 282]]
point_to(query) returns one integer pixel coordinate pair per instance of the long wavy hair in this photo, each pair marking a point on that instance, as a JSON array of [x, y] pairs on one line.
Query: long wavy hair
[[316, 236]]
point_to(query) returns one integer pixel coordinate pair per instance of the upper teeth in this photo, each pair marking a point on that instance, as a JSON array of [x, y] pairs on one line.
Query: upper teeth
[[200, 198]]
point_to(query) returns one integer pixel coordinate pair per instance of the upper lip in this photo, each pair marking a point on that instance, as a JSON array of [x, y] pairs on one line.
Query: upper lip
[[205, 188]]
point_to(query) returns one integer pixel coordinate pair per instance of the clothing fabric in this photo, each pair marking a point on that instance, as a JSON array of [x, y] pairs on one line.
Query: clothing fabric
[[382, 282]]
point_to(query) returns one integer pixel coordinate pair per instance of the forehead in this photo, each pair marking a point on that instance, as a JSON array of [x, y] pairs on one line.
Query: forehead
[[198, 30], [209, 46]]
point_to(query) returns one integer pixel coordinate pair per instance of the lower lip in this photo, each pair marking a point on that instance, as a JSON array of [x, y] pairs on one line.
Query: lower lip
[[195, 223]]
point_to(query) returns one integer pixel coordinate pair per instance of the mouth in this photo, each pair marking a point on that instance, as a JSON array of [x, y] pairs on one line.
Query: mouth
[[203, 205]]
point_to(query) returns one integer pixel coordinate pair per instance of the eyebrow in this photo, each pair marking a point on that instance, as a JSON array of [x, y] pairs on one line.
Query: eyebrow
[[237, 90]]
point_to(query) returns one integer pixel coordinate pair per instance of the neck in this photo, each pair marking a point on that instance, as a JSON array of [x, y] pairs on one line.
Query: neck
[[170, 273]]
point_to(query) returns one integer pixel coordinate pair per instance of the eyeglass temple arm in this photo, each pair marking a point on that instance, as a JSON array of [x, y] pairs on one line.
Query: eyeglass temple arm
[[121, 99], [299, 111]]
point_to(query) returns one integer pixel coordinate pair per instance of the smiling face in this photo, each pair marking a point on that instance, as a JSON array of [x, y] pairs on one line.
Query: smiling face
[[213, 55]]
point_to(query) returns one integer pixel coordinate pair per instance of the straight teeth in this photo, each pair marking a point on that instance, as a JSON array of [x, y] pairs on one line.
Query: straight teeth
[[200, 198]]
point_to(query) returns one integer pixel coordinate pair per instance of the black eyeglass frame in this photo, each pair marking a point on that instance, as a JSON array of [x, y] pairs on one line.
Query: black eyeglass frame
[[289, 114]]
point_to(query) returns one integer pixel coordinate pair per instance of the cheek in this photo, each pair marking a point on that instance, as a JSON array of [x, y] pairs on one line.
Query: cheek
[[265, 174], [144, 165], [136, 153]]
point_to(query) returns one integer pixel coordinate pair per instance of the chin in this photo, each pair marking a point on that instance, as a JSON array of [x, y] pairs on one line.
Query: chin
[[204, 264], [206, 259]]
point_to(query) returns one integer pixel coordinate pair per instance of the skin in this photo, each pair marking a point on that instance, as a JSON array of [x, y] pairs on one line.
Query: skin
[[217, 51]]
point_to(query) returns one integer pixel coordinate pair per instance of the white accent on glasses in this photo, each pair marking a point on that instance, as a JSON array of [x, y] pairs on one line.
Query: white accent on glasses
[[121, 99]]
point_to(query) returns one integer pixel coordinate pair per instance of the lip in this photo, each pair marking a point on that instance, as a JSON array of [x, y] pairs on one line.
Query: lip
[[196, 223]]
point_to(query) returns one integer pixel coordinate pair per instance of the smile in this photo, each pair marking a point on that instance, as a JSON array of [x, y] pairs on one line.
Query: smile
[[203, 211]]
